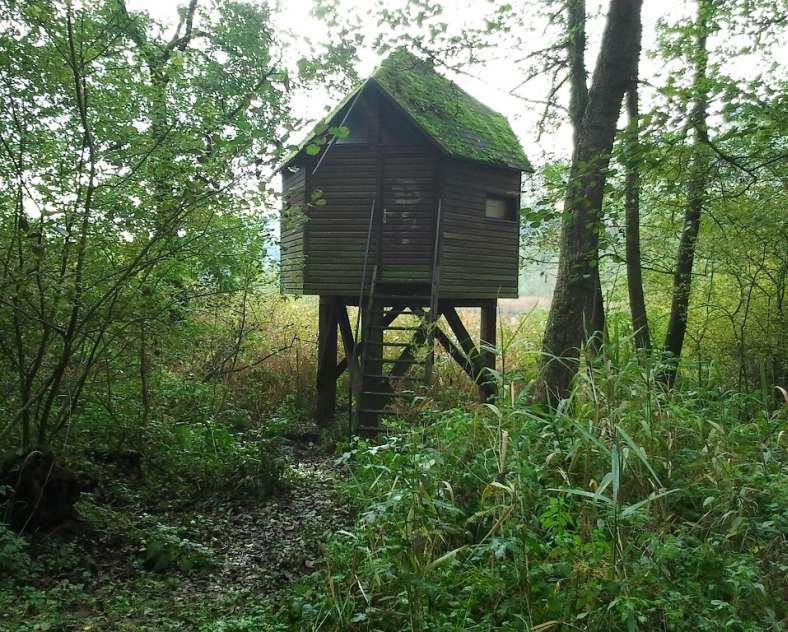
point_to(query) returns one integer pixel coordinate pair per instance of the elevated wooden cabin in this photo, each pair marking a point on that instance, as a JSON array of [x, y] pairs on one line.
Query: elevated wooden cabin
[[413, 185]]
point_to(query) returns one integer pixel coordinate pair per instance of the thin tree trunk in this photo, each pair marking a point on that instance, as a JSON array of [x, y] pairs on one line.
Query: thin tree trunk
[[696, 194], [69, 337], [144, 369], [576, 296], [637, 300]]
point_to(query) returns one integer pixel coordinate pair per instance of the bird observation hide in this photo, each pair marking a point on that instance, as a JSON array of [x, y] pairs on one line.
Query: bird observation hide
[[405, 158]]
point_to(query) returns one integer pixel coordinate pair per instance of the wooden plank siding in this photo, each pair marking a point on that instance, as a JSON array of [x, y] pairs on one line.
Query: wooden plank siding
[[404, 172], [409, 205], [345, 185], [292, 231], [479, 255]]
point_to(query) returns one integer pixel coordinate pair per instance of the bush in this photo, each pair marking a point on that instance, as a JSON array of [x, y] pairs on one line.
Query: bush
[[167, 549], [15, 560], [209, 457], [627, 509]]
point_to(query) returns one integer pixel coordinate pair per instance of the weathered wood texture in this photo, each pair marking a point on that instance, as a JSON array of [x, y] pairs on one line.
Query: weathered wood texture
[[343, 189], [404, 173], [487, 350], [409, 205], [479, 255], [327, 359], [292, 230]]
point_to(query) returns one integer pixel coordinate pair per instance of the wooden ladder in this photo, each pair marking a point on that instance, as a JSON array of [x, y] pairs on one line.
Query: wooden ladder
[[386, 380], [388, 362]]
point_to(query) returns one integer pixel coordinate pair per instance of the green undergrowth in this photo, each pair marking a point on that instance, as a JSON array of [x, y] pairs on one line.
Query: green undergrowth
[[624, 510]]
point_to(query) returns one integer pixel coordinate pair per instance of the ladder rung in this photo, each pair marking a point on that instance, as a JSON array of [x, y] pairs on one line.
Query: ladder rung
[[385, 394], [392, 361], [402, 297], [376, 411], [371, 429]]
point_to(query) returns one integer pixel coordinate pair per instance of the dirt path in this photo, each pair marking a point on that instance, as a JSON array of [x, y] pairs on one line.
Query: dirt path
[[278, 541]]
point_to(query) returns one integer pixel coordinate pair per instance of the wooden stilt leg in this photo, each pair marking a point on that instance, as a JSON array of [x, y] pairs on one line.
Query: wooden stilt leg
[[327, 360], [487, 344]]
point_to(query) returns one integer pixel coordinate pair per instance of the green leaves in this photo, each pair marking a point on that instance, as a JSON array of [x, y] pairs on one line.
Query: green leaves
[[339, 132]]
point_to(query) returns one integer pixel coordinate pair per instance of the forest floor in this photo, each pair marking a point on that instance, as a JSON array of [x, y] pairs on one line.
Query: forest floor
[[213, 566]]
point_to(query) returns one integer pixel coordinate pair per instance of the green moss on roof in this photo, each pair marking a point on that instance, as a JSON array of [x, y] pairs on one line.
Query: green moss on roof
[[463, 126], [460, 125]]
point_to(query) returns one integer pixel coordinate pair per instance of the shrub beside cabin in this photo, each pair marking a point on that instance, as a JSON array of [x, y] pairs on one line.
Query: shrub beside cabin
[[419, 193]]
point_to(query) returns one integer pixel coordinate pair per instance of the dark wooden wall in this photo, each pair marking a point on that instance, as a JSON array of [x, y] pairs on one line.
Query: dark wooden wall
[[339, 220], [479, 255], [292, 230], [404, 171], [409, 203]]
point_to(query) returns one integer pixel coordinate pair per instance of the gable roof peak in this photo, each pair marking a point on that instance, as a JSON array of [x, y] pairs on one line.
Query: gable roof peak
[[460, 124]]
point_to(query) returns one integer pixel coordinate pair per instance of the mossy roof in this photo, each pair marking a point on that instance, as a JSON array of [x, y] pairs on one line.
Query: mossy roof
[[461, 126]]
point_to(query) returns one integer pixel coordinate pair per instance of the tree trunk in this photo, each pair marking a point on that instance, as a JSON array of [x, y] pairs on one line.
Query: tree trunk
[[576, 297], [594, 315], [637, 300], [696, 193], [144, 368]]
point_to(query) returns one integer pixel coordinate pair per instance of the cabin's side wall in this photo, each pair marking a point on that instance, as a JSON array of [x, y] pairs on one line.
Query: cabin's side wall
[[479, 255], [291, 224]]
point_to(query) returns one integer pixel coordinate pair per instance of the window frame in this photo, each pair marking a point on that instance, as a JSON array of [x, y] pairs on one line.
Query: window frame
[[511, 202]]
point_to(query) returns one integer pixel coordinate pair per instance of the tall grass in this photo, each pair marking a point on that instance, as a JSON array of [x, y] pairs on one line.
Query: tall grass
[[625, 509]]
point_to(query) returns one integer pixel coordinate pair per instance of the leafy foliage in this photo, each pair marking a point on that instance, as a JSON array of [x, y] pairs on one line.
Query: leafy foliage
[[139, 316], [624, 510]]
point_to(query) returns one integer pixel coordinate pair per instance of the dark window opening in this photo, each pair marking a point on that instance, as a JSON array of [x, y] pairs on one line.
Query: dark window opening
[[500, 207], [397, 131], [357, 124]]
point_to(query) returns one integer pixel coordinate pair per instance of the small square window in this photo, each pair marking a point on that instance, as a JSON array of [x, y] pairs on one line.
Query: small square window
[[499, 207]]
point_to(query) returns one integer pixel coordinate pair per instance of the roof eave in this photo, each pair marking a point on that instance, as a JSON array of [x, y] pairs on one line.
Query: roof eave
[[372, 81], [291, 157]]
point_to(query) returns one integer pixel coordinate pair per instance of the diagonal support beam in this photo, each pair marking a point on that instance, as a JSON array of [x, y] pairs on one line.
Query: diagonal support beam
[[391, 315], [408, 354], [455, 352], [459, 330], [341, 367], [345, 329]]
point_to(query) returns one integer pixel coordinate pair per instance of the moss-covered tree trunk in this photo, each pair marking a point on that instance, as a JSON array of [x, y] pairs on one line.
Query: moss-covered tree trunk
[[578, 101], [576, 295]]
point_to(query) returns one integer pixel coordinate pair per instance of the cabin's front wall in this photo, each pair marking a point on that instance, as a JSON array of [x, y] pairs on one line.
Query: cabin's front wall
[[409, 203], [397, 170], [479, 254], [342, 192]]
